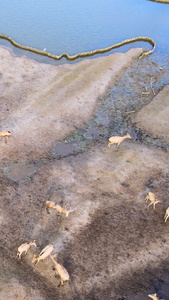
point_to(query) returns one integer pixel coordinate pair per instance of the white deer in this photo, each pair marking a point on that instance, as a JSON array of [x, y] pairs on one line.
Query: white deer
[[166, 215], [60, 270], [154, 297], [6, 134], [43, 254], [117, 139], [24, 248], [153, 200]]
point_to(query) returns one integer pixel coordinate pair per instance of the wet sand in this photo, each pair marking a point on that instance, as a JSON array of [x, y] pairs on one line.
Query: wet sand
[[42, 103], [113, 245]]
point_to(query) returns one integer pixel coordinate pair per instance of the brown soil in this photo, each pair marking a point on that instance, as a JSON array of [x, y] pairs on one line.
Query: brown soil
[[113, 246]]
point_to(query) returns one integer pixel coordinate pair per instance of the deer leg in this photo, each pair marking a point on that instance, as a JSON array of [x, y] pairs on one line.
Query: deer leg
[[36, 263], [61, 283], [47, 210], [165, 218], [150, 204]]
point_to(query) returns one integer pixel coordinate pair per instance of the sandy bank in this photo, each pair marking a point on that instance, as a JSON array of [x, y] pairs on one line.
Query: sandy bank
[[41, 104], [153, 118]]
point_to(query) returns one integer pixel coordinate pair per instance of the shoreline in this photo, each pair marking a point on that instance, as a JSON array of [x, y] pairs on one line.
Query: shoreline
[[85, 54]]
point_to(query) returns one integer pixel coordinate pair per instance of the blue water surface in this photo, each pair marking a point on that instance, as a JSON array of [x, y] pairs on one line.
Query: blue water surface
[[75, 26]]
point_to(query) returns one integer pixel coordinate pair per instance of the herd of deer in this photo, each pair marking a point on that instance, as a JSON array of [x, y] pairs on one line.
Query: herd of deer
[[46, 252], [150, 196], [59, 269]]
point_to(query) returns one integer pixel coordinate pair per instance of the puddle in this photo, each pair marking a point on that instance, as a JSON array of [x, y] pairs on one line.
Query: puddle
[[75, 143], [18, 172], [91, 134], [63, 149]]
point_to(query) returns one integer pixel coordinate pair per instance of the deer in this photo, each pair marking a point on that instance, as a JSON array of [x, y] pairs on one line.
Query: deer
[[154, 297], [166, 215], [43, 254], [60, 270], [24, 248], [6, 134], [117, 139], [153, 200], [60, 210]]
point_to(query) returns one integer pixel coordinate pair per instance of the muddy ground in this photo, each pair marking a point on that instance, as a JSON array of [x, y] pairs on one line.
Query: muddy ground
[[113, 245]]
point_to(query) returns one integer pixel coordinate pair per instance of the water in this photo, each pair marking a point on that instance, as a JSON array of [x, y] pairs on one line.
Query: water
[[75, 26]]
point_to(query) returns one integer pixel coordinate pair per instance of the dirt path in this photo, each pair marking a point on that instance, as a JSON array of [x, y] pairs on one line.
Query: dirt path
[[113, 245]]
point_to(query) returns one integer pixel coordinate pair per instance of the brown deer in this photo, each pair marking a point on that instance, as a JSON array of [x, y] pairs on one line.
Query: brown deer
[[60, 210]]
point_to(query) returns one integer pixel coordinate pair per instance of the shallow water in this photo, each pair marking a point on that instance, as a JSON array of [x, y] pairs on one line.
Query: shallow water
[[80, 26], [124, 98]]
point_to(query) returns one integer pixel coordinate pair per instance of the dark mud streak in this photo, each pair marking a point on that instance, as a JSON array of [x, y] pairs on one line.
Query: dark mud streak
[[23, 213], [110, 221], [143, 137], [151, 281], [112, 236]]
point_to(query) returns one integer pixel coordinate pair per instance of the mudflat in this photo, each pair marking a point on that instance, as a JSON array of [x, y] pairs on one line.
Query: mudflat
[[112, 244]]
